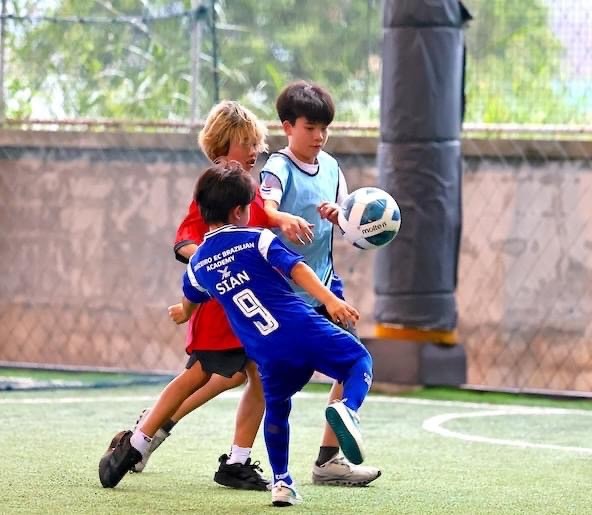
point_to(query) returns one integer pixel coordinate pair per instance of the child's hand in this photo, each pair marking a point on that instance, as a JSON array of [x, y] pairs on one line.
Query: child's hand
[[342, 313], [178, 314], [296, 229], [329, 211]]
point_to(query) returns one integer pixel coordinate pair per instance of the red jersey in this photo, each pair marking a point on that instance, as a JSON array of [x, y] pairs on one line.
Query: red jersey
[[208, 327]]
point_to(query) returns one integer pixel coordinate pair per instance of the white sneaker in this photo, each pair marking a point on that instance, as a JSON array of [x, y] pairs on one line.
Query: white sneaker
[[340, 472], [345, 424], [283, 495], [160, 436]]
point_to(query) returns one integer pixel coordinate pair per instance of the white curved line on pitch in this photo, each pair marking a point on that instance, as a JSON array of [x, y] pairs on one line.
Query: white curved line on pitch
[[435, 425], [235, 394]]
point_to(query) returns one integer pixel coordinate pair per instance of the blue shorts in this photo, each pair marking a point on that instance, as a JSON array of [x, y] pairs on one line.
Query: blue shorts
[[322, 346]]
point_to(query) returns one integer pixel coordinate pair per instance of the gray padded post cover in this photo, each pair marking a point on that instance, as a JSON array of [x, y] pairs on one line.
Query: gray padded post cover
[[419, 161]]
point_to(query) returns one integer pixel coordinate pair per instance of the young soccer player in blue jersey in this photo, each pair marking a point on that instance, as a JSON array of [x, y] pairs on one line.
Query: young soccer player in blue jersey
[[227, 127], [245, 269], [302, 185]]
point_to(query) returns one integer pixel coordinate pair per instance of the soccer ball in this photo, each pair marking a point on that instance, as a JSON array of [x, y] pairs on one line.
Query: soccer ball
[[369, 218]]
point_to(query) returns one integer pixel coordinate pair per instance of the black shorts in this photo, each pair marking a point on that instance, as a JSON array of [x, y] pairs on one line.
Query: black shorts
[[222, 362]]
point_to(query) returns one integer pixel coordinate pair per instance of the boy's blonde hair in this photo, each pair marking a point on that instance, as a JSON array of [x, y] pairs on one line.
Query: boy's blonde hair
[[229, 122]]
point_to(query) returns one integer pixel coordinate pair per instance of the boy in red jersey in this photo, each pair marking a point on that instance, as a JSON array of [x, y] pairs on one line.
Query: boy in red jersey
[[217, 361]]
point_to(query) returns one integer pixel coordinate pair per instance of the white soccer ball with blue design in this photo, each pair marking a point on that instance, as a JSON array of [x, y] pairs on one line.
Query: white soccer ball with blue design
[[369, 218]]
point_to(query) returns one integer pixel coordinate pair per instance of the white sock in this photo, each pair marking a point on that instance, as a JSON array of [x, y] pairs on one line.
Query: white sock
[[239, 455], [140, 441]]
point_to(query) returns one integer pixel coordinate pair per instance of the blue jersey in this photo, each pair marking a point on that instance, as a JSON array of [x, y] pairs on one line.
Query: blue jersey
[[245, 269], [301, 194]]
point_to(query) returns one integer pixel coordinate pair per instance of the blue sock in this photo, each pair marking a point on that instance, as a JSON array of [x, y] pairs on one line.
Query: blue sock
[[276, 430], [357, 384]]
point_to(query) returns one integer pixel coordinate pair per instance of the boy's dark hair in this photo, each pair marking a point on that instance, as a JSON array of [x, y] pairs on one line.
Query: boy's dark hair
[[220, 189], [303, 98]]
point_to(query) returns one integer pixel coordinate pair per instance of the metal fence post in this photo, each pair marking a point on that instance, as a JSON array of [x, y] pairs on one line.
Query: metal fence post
[[215, 54], [195, 55], [2, 36]]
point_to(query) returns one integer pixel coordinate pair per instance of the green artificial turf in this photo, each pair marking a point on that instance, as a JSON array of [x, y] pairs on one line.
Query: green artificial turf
[[51, 442]]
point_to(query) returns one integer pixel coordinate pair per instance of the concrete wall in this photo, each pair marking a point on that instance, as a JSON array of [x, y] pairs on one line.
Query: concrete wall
[[525, 282], [87, 222], [87, 225]]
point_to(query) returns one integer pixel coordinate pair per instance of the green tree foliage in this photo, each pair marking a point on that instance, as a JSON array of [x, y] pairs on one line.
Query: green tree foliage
[[267, 43], [142, 69], [514, 65], [88, 69]]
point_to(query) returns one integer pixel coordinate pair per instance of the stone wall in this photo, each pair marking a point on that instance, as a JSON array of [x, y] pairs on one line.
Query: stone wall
[[525, 281], [87, 223], [87, 227]]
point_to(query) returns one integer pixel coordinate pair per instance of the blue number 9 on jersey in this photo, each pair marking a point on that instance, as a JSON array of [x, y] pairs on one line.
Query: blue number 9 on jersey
[[369, 218]]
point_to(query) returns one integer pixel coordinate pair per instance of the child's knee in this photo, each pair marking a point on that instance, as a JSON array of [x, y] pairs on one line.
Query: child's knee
[[237, 379], [277, 410]]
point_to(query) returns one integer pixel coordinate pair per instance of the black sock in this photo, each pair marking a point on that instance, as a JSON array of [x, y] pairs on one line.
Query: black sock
[[168, 425], [325, 454]]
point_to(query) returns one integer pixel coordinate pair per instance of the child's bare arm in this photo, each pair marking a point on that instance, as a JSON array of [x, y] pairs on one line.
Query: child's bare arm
[[187, 250], [295, 228], [339, 310], [181, 312]]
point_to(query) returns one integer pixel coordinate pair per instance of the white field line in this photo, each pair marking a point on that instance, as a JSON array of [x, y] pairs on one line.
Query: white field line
[[432, 424], [77, 400], [235, 394], [436, 425]]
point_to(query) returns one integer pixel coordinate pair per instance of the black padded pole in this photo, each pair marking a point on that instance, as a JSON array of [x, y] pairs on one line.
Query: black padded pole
[[419, 161]]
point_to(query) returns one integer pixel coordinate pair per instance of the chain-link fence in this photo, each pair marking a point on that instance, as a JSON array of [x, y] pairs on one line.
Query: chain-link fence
[[527, 62], [174, 60], [88, 268], [525, 284], [88, 210]]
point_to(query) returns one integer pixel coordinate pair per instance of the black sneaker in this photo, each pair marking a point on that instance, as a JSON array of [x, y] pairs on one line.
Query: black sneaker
[[118, 460], [241, 477]]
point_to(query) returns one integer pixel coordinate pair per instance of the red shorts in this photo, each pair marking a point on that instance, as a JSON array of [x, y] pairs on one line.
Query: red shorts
[[208, 329]]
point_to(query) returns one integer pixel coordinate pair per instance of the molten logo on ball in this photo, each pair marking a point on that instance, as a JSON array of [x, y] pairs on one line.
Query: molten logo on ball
[[369, 218], [374, 228]]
